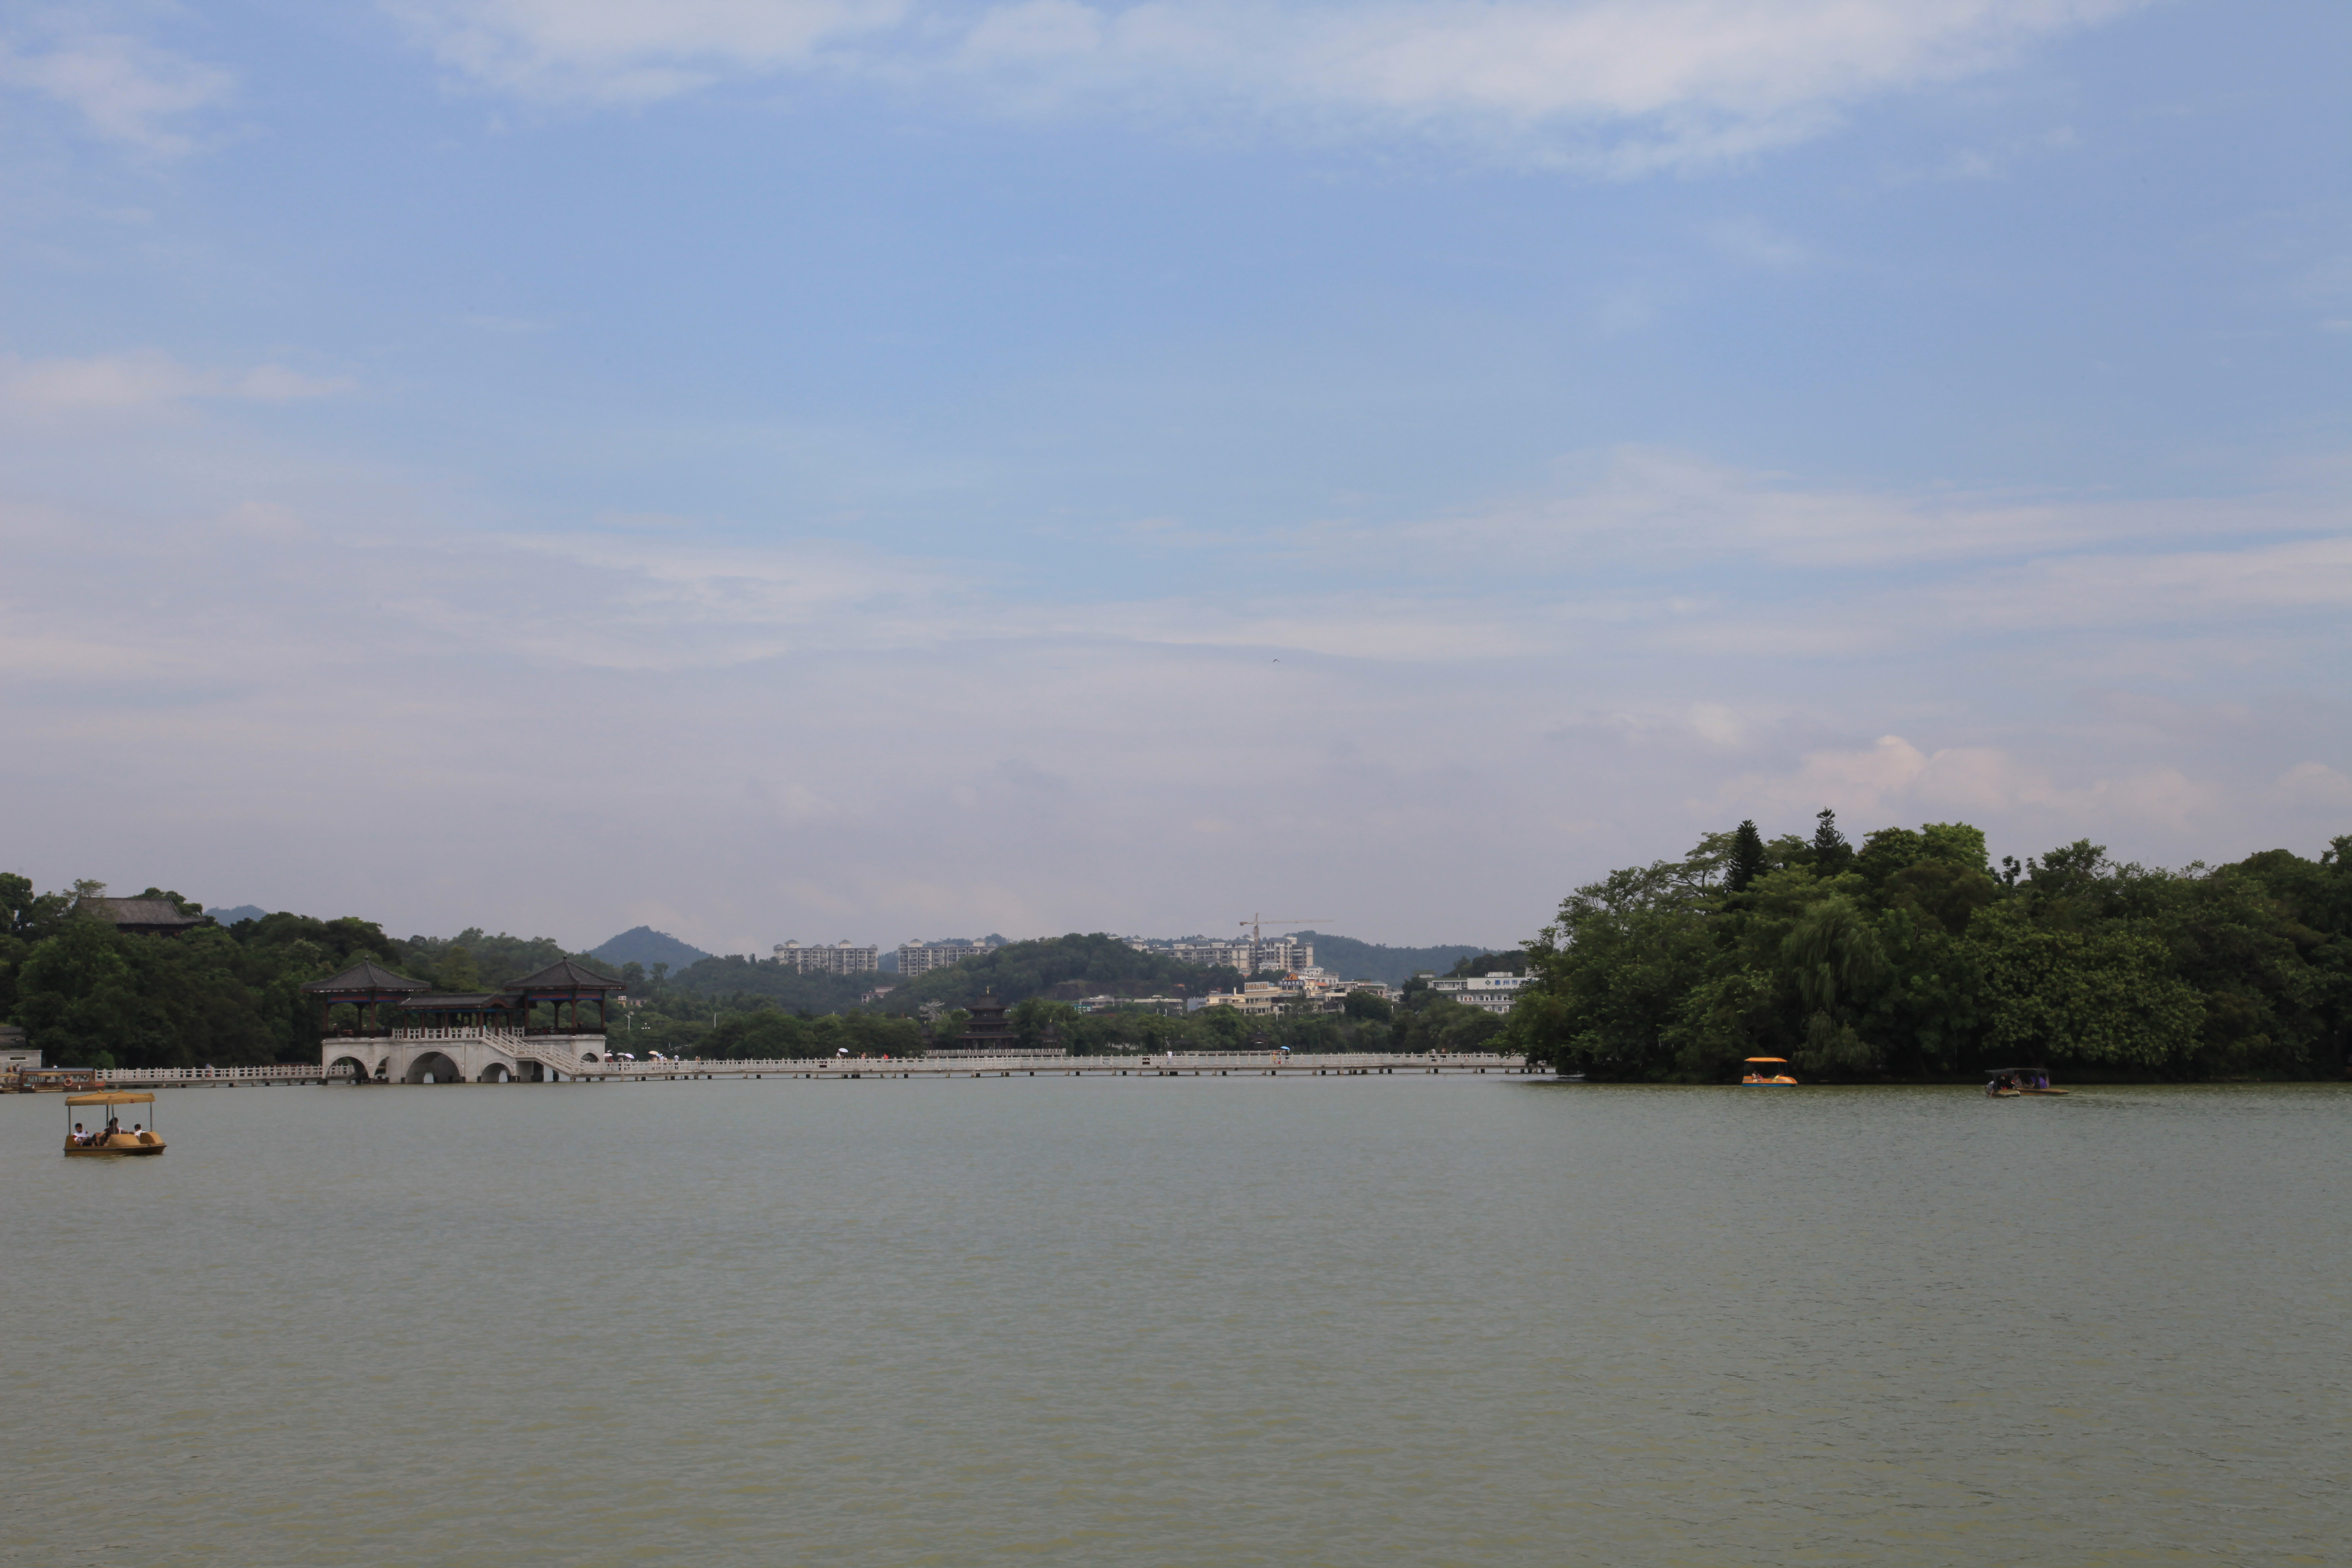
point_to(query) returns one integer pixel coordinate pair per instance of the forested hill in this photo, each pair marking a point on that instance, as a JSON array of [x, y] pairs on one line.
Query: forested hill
[[1911, 956], [1062, 967], [732, 980], [1351, 960], [645, 945]]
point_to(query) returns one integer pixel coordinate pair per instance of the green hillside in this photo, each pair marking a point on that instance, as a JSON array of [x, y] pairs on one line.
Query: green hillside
[[1351, 960], [1060, 967]]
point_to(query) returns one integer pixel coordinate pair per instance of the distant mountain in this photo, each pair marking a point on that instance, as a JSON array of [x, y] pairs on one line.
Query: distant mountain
[[647, 946], [1353, 960], [236, 912]]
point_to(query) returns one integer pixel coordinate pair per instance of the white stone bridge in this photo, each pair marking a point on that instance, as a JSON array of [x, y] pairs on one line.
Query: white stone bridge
[[490, 1056], [462, 1056]]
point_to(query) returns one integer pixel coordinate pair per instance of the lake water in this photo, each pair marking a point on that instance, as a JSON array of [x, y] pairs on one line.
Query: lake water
[[1188, 1321]]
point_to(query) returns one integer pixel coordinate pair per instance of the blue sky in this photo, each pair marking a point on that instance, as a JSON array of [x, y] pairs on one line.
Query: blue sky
[[881, 469]]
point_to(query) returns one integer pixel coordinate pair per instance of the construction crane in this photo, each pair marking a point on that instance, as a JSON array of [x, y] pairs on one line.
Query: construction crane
[[1257, 935]]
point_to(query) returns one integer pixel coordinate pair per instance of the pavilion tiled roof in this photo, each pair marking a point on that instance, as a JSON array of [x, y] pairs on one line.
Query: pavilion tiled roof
[[565, 976], [365, 976]]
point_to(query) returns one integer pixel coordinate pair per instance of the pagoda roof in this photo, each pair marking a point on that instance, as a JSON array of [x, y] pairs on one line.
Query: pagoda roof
[[149, 912], [565, 976], [448, 1003], [365, 976]]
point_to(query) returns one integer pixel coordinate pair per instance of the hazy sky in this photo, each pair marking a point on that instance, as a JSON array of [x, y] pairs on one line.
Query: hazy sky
[[887, 468]]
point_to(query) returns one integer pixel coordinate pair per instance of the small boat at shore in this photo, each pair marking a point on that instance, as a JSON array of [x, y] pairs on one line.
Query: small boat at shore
[[1768, 1070], [2019, 1083], [110, 1141]]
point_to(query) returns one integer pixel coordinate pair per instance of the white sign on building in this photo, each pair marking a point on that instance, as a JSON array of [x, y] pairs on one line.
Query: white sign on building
[[1496, 993]]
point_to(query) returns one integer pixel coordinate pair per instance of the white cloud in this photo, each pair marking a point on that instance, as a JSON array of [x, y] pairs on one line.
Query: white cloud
[[2316, 785], [1627, 85], [1893, 777], [634, 51], [789, 734], [1634, 504], [125, 90], [144, 379]]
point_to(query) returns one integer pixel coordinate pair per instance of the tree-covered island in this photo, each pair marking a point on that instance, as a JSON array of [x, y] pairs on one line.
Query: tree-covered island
[[1911, 956]]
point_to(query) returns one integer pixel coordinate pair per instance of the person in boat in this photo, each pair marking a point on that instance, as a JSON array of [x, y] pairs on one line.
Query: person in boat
[[79, 1136]]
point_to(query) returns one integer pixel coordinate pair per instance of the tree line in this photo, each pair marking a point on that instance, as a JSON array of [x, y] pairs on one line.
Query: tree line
[[91, 995], [1912, 956]]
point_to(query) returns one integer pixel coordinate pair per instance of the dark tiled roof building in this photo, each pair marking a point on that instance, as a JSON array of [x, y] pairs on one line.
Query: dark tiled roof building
[[145, 917]]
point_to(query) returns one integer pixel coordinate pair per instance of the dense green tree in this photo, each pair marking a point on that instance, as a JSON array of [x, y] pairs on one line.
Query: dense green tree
[[1747, 858], [1512, 962], [1910, 957], [1833, 957], [1832, 853]]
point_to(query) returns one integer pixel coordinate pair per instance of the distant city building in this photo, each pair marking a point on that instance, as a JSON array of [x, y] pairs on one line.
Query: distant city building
[[843, 957], [1275, 953], [876, 995], [1307, 991], [1497, 992], [1257, 999], [922, 957], [1167, 1006]]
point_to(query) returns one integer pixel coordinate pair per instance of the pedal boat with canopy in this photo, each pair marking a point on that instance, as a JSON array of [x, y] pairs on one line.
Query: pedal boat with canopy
[[2019, 1083], [1768, 1070], [117, 1144]]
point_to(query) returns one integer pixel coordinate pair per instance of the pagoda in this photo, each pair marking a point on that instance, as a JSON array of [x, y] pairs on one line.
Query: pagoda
[[991, 1033]]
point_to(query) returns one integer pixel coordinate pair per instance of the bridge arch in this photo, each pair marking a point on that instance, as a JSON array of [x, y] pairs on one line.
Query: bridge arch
[[359, 1069], [432, 1063]]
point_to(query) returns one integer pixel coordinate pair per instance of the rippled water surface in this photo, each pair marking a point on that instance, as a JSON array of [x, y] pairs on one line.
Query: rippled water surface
[[1198, 1321]]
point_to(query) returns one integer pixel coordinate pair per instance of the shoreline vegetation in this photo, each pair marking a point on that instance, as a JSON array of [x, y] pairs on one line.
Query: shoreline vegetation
[[1910, 958]]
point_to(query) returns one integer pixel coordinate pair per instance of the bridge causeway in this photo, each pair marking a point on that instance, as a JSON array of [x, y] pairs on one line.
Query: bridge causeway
[[512, 1059]]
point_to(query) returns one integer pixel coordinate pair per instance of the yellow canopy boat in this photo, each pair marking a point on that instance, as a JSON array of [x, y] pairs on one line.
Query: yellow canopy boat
[[1760, 1070], [110, 1139]]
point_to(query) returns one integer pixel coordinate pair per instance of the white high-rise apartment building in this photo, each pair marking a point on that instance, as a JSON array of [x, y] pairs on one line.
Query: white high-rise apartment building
[[843, 957], [922, 957], [1279, 954]]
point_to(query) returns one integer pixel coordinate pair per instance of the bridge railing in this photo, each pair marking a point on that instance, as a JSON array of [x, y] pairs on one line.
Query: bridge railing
[[1180, 1062], [542, 1050], [279, 1072]]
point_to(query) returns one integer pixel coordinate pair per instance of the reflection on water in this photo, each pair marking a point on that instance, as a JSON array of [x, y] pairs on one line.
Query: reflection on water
[[1216, 1321]]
